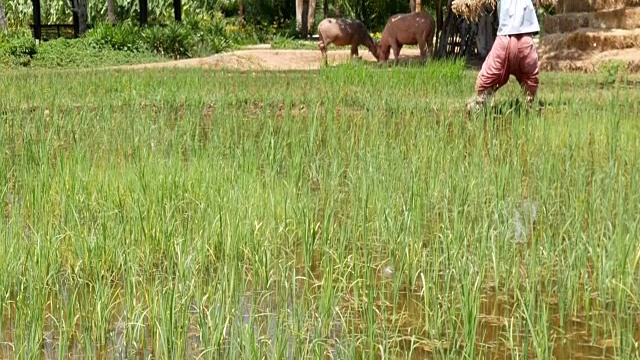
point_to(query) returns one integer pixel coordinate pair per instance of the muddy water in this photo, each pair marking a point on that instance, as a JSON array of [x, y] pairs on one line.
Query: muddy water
[[501, 333]]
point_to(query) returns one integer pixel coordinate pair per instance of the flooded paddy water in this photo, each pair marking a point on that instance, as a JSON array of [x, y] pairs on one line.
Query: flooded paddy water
[[263, 325]]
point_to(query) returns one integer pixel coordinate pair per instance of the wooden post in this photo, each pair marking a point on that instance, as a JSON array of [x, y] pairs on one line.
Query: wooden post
[[37, 24], [111, 11], [144, 11], [177, 10], [438, 22], [446, 32], [76, 20]]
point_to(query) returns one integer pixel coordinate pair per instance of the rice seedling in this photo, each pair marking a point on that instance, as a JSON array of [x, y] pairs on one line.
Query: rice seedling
[[351, 212]]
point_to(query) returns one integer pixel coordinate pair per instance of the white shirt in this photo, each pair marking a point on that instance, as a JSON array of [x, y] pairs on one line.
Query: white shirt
[[517, 17]]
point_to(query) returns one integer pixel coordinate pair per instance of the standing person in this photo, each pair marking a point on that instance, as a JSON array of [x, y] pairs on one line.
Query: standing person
[[513, 53]]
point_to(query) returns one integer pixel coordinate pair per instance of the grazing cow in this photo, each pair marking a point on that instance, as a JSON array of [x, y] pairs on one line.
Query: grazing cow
[[343, 32], [407, 29]]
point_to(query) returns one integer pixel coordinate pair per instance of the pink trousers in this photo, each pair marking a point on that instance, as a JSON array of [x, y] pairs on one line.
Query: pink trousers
[[510, 55]]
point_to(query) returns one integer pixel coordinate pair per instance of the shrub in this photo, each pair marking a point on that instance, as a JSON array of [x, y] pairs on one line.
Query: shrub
[[613, 71], [124, 37], [83, 53], [174, 40], [213, 34], [16, 49], [22, 46]]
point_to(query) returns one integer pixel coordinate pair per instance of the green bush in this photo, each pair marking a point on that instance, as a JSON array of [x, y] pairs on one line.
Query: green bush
[[82, 53], [17, 49], [197, 36], [21, 46], [212, 33], [201, 34], [123, 37], [174, 40]]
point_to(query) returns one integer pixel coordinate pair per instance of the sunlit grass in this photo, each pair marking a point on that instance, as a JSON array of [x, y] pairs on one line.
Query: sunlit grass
[[353, 212]]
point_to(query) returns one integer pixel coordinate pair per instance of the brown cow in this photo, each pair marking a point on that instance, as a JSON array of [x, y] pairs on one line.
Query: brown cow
[[343, 32], [407, 29]]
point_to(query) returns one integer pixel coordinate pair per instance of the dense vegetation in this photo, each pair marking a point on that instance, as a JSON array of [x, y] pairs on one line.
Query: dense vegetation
[[263, 13], [209, 27], [354, 212], [125, 43]]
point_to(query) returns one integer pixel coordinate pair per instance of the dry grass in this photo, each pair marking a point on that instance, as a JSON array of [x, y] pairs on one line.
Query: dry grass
[[473, 9], [591, 40], [613, 19], [547, 3], [572, 6], [590, 66], [565, 23], [632, 15]]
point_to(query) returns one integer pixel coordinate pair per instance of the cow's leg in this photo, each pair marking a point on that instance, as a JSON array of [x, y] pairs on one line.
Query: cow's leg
[[396, 53], [354, 50], [423, 52], [323, 48], [430, 45]]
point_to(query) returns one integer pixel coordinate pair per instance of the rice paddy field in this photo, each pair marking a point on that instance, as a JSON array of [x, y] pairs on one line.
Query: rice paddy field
[[353, 212]]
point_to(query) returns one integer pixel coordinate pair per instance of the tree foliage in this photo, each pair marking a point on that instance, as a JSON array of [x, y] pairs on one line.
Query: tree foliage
[[374, 13]]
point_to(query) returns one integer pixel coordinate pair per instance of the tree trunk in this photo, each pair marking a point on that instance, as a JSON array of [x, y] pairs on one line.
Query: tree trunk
[[438, 22], [412, 5], [241, 12], [486, 37], [302, 17], [3, 18], [311, 15], [144, 11], [446, 31], [37, 21], [418, 5], [83, 16], [79, 9], [111, 11], [177, 10]]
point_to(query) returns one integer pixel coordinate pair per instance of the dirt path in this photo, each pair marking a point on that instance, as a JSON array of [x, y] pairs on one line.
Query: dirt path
[[262, 57], [267, 59]]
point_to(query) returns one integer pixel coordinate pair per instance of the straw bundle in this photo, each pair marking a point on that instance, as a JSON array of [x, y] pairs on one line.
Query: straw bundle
[[591, 40], [632, 17], [472, 10], [577, 6], [587, 65], [625, 18], [565, 23], [547, 3]]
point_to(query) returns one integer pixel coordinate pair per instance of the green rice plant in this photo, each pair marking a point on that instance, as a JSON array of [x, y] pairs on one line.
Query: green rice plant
[[353, 212]]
